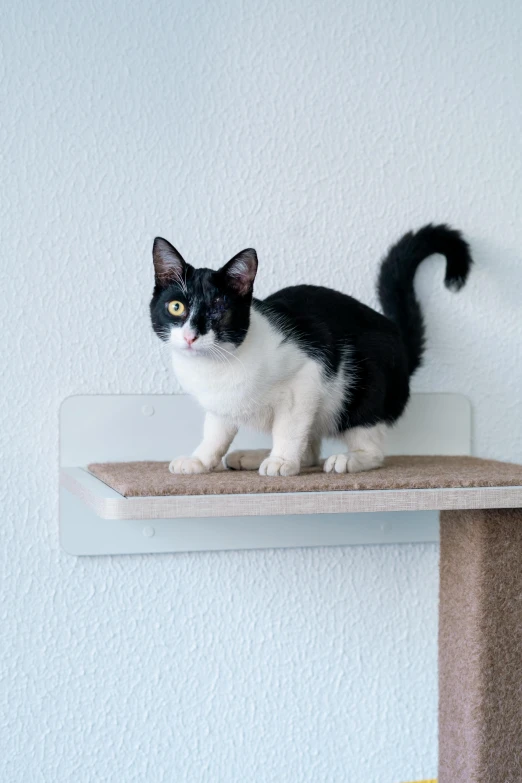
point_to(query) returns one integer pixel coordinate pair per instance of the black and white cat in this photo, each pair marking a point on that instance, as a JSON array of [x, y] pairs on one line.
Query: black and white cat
[[305, 363]]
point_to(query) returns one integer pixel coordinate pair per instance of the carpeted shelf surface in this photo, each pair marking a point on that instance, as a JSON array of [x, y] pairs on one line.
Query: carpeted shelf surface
[[145, 479]]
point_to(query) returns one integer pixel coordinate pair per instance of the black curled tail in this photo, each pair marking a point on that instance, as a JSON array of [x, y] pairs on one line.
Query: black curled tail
[[395, 283]]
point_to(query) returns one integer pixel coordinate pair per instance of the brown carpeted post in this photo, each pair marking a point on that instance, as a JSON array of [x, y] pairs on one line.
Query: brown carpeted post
[[480, 647]]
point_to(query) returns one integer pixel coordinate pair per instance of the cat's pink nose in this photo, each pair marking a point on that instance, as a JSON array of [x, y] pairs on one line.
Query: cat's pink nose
[[190, 338]]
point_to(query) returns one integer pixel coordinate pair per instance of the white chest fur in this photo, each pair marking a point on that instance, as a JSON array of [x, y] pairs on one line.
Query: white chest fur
[[250, 384], [242, 385]]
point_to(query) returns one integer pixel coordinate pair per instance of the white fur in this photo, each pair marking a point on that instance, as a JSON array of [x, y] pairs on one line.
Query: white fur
[[365, 450], [266, 383]]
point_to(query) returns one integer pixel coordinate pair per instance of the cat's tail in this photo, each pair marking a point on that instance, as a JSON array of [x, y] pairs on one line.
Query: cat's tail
[[395, 282]]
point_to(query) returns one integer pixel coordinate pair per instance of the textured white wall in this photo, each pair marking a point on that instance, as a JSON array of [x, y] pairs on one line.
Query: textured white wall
[[316, 132]]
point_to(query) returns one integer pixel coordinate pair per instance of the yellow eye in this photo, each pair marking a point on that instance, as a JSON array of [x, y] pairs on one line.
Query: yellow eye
[[175, 307]]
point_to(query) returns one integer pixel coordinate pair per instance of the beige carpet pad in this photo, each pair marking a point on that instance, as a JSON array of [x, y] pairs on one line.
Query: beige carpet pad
[[145, 479]]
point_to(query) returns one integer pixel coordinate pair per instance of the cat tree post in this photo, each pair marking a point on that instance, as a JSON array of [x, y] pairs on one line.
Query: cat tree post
[[480, 647]]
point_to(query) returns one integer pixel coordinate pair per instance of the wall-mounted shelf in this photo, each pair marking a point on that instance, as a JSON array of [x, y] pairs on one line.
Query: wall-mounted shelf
[[106, 521], [95, 519], [464, 483], [83, 532]]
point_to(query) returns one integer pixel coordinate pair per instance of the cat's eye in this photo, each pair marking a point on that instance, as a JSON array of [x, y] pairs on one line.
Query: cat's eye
[[175, 307]]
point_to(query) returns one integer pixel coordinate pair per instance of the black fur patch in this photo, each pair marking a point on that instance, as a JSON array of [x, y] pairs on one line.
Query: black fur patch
[[337, 329]]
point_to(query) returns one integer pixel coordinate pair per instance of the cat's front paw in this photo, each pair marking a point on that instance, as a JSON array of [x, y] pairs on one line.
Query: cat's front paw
[[276, 466], [187, 465]]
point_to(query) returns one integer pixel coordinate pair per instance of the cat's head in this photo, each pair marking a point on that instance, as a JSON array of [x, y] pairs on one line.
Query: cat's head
[[199, 310]]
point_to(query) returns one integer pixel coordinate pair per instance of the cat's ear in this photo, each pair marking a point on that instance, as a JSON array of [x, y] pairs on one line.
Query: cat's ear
[[240, 272], [169, 265]]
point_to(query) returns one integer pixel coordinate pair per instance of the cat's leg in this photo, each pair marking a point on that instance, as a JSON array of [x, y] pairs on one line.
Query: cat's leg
[[251, 459], [312, 455], [365, 450], [218, 434], [292, 428]]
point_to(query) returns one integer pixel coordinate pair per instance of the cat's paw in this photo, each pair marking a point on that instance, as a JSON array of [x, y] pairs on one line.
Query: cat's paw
[[187, 465], [352, 463], [276, 466], [246, 460]]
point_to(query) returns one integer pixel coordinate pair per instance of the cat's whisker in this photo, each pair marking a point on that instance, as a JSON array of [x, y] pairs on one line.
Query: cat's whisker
[[217, 355], [182, 282], [219, 350], [220, 347]]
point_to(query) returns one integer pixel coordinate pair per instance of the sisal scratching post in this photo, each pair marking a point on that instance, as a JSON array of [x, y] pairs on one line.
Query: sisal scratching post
[[480, 647]]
